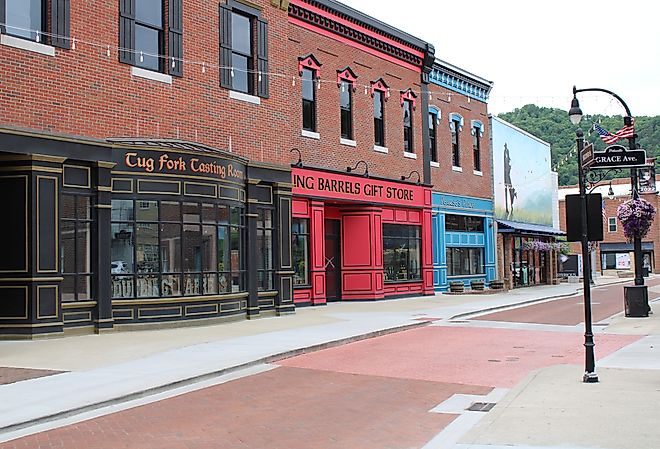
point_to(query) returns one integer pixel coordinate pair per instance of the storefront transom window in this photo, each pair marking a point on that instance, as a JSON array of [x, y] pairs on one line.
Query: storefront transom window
[[172, 248], [402, 256], [300, 251]]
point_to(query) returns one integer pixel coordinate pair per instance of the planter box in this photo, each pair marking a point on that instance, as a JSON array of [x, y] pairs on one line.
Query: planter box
[[497, 285], [478, 285], [456, 287]]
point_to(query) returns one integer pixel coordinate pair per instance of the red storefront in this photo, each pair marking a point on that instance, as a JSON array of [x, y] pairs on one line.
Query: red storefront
[[359, 238]]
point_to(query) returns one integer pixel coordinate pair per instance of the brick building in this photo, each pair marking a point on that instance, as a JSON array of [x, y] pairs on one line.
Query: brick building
[[190, 161], [615, 254]]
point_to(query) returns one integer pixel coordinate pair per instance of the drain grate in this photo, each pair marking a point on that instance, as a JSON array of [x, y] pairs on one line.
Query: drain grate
[[481, 406]]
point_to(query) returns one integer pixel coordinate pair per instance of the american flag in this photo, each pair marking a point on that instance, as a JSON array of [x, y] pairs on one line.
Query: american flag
[[609, 138]]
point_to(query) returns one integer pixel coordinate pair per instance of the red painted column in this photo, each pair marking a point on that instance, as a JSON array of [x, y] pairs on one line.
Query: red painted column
[[362, 253], [427, 245], [317, 251]]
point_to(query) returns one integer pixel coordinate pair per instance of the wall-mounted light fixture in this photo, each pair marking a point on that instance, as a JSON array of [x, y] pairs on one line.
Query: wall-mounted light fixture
[[414, 172], [298, 164], [357, 164]]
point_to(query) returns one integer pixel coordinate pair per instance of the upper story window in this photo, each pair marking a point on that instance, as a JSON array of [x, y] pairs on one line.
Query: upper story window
[[142, 26], [36, 20], [379, 93], [309, 99], [243, 49], [464, 223], [408, 105], [433, 120], [346, 81], [455, 125], [477, 134], [611, 224]]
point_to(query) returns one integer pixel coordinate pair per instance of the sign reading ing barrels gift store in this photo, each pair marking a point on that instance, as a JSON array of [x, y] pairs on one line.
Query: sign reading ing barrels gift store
[[325, 184], [174, 163]]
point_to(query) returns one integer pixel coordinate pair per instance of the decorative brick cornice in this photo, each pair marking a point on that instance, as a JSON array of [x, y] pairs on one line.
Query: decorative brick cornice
[[379, 85], [346, 75], [329, 20], [410, 96], [309, 62]]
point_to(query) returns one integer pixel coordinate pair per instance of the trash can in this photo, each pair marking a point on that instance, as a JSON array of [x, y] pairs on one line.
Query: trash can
[[636, 301], [645, 272]]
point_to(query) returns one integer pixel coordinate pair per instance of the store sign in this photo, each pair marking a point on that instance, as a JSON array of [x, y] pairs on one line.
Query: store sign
[[338, 186], [617, 156], [151, 162], [647, 179]]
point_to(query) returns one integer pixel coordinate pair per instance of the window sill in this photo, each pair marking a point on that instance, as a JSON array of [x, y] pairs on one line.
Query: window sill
[[435, 164], [24, 44], [240, 96], [409, 155], [477, 172], [380, 149], [458, 169], [348, 142], [151, 75], [310, 134]]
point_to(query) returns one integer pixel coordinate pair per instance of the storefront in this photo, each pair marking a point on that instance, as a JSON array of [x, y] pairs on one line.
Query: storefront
[[463, 245], [359, 238], [133, 234], [529, 253], [620, 257]]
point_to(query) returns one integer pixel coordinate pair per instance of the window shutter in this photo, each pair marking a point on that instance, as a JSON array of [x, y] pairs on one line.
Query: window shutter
[[175, 37], [60, 12], [2, 16], [262, 58], [225, 46], [127, 31]]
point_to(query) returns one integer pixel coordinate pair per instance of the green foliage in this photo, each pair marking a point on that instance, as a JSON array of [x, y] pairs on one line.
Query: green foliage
[[553, 126]]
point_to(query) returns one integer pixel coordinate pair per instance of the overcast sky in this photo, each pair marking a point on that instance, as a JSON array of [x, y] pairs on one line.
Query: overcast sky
[[536, 51]]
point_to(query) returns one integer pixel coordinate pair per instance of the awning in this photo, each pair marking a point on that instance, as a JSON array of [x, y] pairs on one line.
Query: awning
[[623, 247], [506, 226]]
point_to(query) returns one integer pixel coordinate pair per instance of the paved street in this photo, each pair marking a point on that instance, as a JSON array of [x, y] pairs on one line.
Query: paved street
[[406, 389]]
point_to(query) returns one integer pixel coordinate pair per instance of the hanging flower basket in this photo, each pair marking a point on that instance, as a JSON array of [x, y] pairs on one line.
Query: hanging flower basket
[[537, 245], [636, 216]]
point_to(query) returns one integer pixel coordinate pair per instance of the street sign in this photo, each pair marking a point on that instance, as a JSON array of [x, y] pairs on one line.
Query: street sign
[[617, 156], [587, 155]]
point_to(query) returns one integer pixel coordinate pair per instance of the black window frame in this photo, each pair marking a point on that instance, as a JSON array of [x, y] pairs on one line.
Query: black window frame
[[408, 140], [78, 224], [54, 28], [379, 122], [308, 79], [298, 234], [346, 112], [464, 223], [433, 136], [191, 276], [455, 143], [399, 242], [160, 30], [265, 249], [476, 148]]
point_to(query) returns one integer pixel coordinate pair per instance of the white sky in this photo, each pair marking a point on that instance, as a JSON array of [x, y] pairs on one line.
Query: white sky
[[525, 47]]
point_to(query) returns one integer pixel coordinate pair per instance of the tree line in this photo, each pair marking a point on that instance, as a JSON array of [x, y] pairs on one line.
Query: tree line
[[553, 126]]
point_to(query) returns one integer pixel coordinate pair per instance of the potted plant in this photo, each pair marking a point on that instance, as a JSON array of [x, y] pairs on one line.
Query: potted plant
[[477, 284], [456, 287], [636, 215], [497, 284]]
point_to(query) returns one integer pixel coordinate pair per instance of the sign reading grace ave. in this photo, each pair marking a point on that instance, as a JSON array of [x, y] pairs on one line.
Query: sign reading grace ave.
[[307, 182], [617, 156]]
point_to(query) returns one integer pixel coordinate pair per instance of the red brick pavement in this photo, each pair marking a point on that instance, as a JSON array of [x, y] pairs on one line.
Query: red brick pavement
[[285, 408], [9, 375]]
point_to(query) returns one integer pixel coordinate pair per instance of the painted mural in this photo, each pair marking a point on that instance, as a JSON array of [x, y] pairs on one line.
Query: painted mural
[[521, 175]]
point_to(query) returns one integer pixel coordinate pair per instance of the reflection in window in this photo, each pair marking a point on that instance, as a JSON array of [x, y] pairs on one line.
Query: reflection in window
[[407, 127], [379, 119], [346, 106], [433, 119], [464, 223], [402, 253], [25, 18], [465, 261], [76, 247], [242, 60], [265, 268], [300, 250], [167, 251], [149, 34], [309, 99], [455, 126]]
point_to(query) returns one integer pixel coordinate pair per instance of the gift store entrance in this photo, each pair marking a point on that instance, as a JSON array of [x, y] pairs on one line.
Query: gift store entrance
[[332, 260]]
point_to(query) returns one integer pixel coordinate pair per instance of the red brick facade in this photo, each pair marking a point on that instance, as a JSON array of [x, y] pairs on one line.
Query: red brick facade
[[611, 206]]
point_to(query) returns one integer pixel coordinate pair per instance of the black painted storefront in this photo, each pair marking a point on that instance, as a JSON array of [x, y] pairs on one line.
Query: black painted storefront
[[124, 233]]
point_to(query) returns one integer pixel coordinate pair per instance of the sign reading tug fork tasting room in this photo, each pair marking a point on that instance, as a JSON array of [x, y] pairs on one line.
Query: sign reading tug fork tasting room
[[617, 156]]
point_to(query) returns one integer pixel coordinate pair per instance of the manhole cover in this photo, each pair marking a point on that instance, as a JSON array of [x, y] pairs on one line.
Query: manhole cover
[[481, 406]]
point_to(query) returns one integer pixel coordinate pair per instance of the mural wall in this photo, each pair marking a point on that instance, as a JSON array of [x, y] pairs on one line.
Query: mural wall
[[522, 176]]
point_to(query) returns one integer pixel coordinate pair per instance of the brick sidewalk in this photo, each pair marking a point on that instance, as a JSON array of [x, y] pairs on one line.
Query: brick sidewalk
[[10, 375]]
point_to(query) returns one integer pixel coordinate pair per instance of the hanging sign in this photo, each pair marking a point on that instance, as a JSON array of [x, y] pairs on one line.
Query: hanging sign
[[587, 155], [617, 156]]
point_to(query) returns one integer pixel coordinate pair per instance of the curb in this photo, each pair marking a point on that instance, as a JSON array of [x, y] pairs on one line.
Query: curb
[[206, 376]]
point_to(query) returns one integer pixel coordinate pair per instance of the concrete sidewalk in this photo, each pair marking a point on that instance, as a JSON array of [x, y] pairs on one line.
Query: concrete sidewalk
[[113, 368]]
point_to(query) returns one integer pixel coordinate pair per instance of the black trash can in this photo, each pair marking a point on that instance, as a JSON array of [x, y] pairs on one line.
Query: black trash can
[[645, 271], [636, 301]]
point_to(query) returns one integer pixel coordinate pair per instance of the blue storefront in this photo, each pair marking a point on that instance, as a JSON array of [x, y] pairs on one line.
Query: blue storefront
[[463, 240]]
